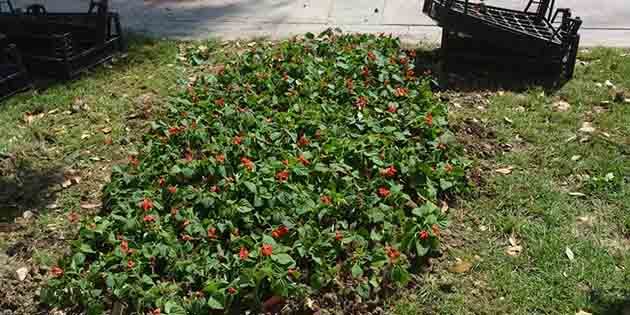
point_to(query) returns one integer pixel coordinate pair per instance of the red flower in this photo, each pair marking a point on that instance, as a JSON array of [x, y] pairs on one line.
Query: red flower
[[292, 272], [183, 114], [243, 254], [404, 60], [389, 171], [365, 72], [172, 189], [220, 158], [371, 56], [383, 192], [303, 160], [338, 235], [282, 176], [285, 162], [361, 102], [56, 271], [424, 235], [188, 156], [173, 131], [349, 84], [185, 223], [231, 290], [92, 226], [147, 204], [410, 73], [303, 141], [266, 250], [219, 102], [74, 217], [237, 140], [156, 311], [280, 232], [392, 253], [186, 238], [401, 91], [161, 182], [149, 218], [215, 189], [247, 163], [108, 141], [412, 53], [124, 246], [133, 160], [441, 146], [392, 108], [428, 119], [212, 233], [130, 264], [325, 200]]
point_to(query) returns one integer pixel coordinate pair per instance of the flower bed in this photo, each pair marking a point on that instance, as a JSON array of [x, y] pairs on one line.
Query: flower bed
[[307, 166]]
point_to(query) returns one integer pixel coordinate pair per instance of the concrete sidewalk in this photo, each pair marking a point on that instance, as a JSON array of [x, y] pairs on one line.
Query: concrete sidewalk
[[605, 22]]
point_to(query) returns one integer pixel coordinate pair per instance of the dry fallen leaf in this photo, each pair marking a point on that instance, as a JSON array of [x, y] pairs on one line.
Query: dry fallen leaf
[[509, 121], [609, 84], [90, 206], [460, 267], [30, 117], [85, 136], [505, 170], [106, 130], [569, 253], [514, 250], [587, 127], [66, 183], [561, 106], [577, 194], [576, 157], [444, 207], [582, 312]]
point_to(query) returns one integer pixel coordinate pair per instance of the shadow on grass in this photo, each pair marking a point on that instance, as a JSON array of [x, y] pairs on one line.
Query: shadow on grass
[[611, 303], [24, 188]]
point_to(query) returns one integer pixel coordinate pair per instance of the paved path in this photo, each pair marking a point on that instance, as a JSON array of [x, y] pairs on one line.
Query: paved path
[[606, 22]]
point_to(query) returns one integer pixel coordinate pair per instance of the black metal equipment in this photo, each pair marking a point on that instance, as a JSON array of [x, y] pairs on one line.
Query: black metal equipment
[[532, 40], [13, 75], [62, 45]]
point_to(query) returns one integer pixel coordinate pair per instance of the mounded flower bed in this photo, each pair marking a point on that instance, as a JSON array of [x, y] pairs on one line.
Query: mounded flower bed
[[295, 169]]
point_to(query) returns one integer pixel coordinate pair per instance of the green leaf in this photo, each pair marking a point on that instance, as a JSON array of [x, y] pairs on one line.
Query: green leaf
[[173, 308], [357, 271], [283, 259], [214, 304], [250, 186]]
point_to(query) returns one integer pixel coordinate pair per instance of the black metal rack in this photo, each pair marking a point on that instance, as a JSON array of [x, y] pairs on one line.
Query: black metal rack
[[13, 75], [533, 39], [62, 45]]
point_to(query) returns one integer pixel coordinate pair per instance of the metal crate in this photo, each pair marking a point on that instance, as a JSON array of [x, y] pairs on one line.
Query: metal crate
[[63, 45], [532, 38]]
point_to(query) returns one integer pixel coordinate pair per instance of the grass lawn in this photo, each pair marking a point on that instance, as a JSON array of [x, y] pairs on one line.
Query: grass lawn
[[549, 233]]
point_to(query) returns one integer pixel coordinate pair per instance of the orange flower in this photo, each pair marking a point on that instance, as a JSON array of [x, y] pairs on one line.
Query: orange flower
[[56, 271], [266, 250], [448, 167], [173, 131], [237, 140], [361, 102], [383, 192], [147, 204], [285, 162], [220, 158], [303, 160], [303, 141], [172, 189], [325, 200], [436, 230], [249, 165], [282, 176], [243, 254], [280, 232], [392, 253], [371, 56], [338, 235], [428, 119], [130, 264], [124, 246], [390, 171], [401, 91]]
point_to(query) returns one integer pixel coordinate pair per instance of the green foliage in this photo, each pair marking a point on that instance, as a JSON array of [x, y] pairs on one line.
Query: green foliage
[[290, 170]]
